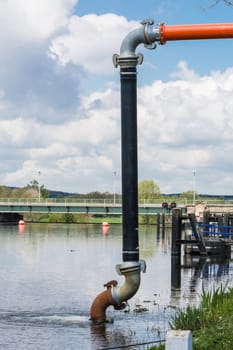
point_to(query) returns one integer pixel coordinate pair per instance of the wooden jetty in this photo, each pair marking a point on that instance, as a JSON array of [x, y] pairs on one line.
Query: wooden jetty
[[201, 238], [213, 247]]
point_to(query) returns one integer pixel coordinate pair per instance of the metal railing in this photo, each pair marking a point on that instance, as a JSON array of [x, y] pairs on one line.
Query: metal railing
[[63, 201], [214, 229], [117, 201]]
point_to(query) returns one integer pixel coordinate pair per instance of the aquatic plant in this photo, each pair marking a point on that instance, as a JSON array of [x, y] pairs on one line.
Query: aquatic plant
[[210, 322]]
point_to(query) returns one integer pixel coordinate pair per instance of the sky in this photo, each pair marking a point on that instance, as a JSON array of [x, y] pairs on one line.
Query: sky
[[60, 96]]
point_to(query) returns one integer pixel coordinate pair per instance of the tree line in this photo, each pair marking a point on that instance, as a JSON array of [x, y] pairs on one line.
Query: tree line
[[148, 190]]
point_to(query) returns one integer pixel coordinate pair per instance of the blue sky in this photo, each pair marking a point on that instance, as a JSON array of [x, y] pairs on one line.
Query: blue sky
[[203, 56], [60, 96]]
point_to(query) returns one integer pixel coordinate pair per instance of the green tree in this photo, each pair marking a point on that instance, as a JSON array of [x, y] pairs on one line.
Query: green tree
[[44, 192], [33, 184], [148, 190], [4, 192], [188, 195]]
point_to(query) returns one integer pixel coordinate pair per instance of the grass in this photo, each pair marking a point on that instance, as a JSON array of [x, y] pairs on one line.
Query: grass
[[210, 322], [70, 218], [110, 220], [85, 218]]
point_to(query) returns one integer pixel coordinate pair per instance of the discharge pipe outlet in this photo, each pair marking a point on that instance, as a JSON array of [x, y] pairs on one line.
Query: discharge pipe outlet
[[115, 295]]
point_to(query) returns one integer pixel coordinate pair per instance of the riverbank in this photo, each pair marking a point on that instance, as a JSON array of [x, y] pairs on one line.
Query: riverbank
[[67, 218], [210, 322]]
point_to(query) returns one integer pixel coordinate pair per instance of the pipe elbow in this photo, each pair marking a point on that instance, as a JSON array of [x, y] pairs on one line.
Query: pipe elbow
[[131, 41], [147, 34], [132, 273]]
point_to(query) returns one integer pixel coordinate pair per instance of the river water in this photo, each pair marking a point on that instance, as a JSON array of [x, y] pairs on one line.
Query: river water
[[51, 273]]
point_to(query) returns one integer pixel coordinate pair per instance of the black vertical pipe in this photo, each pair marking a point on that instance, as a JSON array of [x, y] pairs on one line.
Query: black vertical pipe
[[129, 163]]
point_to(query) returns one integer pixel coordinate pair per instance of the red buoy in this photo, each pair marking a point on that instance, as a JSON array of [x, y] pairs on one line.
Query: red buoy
[[105, 223], [21, 222]]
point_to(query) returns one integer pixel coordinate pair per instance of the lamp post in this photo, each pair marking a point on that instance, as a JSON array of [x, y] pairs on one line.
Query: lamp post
[[114, 195], [39, 194], [194, 186]]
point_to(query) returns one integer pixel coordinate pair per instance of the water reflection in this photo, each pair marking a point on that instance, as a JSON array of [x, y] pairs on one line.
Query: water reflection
[[52, 273], [203, 269]]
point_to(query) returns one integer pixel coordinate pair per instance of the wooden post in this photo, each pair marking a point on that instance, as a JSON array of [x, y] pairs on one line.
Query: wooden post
[[163, 225], [197, 234], [230, 223], [158, 223], [175, 272], [221, 224], [226, 223], [176, 231], [206, 221]]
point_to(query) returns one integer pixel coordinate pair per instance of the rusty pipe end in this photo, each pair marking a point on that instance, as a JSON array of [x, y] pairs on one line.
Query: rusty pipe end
[[102, 302], [99, 306]]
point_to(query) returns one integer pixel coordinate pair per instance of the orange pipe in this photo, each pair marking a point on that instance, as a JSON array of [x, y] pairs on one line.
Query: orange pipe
[[195, 31], [103, 301], [99, 306]]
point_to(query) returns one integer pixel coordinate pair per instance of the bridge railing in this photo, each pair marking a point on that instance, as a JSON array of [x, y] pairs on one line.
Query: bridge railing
[[110, 201], [73, 201], [69, 202], [63, 201]]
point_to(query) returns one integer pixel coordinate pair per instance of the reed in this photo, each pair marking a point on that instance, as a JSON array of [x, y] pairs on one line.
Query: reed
[[210, 322]]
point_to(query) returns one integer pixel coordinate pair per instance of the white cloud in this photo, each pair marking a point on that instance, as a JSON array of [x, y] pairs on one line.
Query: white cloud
[[34, 20], [31, 84], [184, 72], [183, 125], [178, 111], [186, 124], [91, 41], [80, 153], [47, 122]]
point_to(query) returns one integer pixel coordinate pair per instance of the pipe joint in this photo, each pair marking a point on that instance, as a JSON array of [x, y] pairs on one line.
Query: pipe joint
[[127, 61], [152, 33], [131, 266]]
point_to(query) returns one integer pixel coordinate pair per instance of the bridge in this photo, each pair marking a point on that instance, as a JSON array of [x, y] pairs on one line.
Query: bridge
[[103, 207], [106, 207]]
